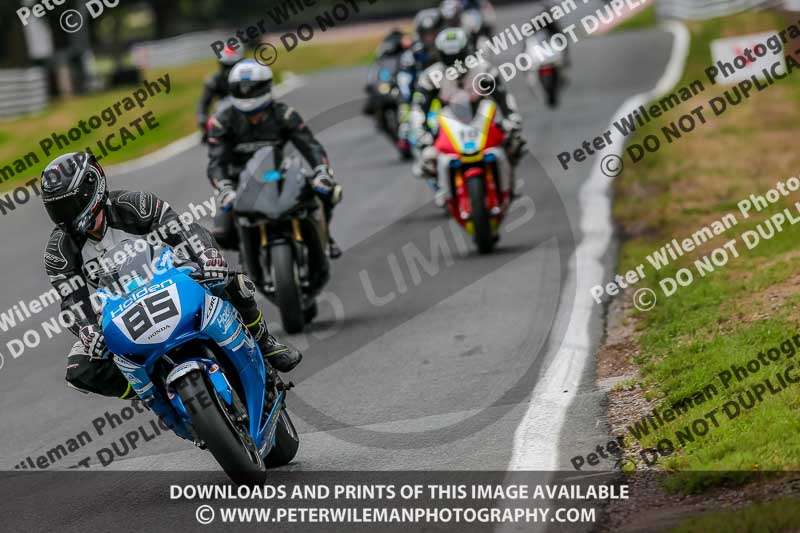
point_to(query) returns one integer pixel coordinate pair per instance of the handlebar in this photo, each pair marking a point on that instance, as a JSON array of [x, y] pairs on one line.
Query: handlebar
[[196, 274]]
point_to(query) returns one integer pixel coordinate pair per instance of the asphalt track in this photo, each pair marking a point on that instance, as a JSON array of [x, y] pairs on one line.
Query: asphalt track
[[439, 377]]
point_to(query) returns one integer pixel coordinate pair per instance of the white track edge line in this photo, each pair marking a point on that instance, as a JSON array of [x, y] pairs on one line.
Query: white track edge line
[[537, 438]]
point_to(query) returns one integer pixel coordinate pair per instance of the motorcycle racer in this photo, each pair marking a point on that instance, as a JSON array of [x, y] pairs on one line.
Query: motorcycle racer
[[481, 81], [216, 87], [421, 55], [253, 121], [89, 220]]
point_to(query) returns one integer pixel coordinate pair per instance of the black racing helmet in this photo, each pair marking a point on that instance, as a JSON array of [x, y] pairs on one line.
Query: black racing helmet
[[392, 45], [74, 191], [428, 24]]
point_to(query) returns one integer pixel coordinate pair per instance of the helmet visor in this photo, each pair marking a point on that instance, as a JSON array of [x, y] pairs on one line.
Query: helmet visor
[[250, 89], [77, 208]]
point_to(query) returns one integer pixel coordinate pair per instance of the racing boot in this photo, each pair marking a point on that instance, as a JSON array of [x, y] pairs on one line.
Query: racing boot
[[334, 252], [281, 357], [516, 148]]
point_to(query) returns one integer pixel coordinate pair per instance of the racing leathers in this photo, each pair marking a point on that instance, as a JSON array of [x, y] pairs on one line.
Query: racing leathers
[[72, 264], [552, 27], [413, 63], [233, 140], [215, 87]]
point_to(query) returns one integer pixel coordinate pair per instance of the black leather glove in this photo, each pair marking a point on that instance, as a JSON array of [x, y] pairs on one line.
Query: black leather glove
[[93, 342], [226, 194], [324, 184], [213, 266], [425, 140], [202, 125], [323, 181], [513, 123]]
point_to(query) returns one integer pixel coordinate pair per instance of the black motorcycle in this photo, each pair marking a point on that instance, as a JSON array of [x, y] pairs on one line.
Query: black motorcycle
[[548, 72], [283, 231], [383, 100]]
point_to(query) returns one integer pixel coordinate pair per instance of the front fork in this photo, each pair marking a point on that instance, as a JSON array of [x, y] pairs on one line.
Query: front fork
[[211, 370], [461, 199], [141, 383], [301, 254]]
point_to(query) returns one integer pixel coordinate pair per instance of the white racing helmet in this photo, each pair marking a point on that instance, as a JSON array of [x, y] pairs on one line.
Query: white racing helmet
[[250, 84], [453, 44], [472, 21]]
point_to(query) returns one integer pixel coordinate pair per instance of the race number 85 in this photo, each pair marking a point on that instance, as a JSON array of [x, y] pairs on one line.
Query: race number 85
[[148, 313]]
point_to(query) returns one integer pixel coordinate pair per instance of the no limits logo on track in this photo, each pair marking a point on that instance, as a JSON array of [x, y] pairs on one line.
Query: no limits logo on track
[[404, 266]]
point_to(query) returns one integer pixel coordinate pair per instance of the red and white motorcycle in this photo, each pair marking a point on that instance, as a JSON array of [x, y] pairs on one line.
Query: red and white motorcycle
[[473, 169]]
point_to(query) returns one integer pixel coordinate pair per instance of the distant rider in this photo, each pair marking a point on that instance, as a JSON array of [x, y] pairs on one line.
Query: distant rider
[[454, 47], [89, 220], [253, 121], [386, 68], [476, 17], [216, 87], [421, 55]]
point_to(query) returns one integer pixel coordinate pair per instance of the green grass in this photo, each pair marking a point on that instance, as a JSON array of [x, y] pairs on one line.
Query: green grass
[[730, 315], [174, 112], [643, 19], [771, 517]]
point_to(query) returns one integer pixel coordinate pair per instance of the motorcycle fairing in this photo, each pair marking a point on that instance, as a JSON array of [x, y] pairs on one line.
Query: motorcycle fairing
[[200, 317], [470, 140]]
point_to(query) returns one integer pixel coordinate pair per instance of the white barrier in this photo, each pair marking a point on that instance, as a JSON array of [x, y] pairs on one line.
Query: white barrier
[[708, 9], [22, 91], [177, 51]]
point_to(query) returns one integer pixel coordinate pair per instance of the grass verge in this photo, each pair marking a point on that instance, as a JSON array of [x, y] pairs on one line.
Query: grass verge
[[643, 19], [743, 307], [779, 515]]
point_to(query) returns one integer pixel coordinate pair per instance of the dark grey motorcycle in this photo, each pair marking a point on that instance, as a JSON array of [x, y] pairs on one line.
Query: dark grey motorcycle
[[280, 219]]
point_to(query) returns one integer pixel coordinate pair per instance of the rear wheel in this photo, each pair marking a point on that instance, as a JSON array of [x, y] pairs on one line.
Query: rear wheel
[[391, 122], [230, 444], [287, 288], [480, 215], [286, 442], [552, 85]]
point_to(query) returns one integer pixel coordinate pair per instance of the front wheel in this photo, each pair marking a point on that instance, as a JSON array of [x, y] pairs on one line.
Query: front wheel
[[286, 442], [231, 445], [552, 86], [287, 288], [481, 220]]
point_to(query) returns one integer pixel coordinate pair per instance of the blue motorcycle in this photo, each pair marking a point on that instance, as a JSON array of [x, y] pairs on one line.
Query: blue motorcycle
[[187, 354]]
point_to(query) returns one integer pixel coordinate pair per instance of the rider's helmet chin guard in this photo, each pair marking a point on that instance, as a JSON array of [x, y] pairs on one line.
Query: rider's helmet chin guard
[[250, 84], [453, 45], [74, 191]]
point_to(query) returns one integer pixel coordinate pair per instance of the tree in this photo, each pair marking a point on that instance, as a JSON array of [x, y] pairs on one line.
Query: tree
[[14, 51]]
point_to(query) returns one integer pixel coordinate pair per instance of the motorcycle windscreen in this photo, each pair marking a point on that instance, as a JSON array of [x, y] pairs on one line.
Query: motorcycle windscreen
[[125, 267], [465, 127], [145, 305], [266, 190]]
